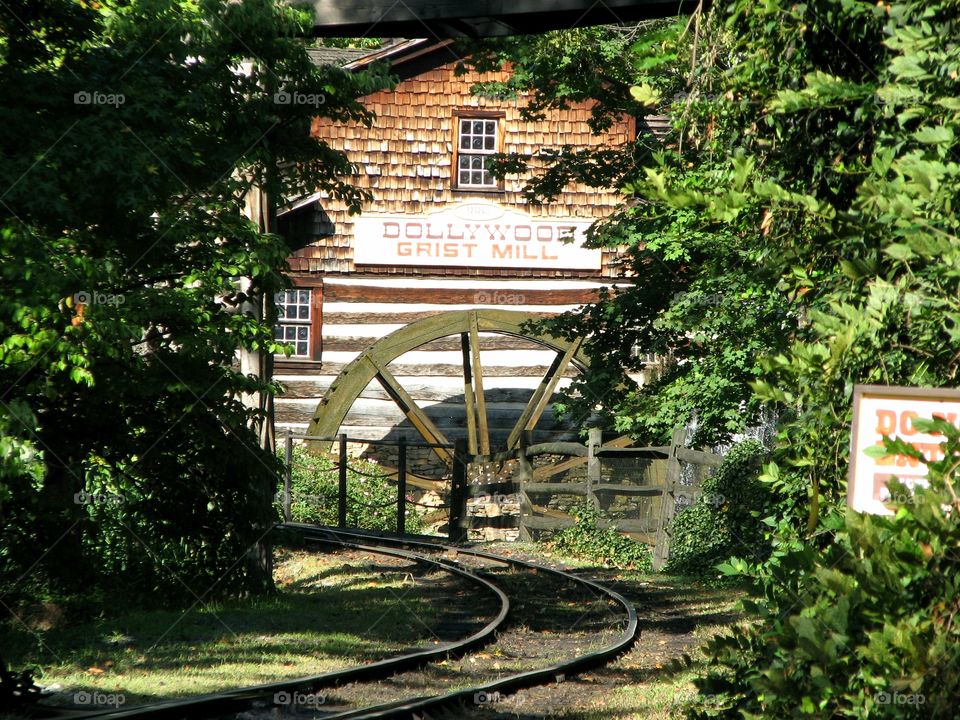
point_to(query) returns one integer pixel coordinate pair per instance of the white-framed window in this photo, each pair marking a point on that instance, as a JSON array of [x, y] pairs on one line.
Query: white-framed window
[[477, 140], [294, 320]]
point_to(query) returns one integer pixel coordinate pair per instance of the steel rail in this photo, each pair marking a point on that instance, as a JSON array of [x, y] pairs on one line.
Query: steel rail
[[227, 701], [413, 708]]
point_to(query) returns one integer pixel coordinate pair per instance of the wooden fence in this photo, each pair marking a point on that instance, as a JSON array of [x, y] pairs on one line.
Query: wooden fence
[[642, 500]]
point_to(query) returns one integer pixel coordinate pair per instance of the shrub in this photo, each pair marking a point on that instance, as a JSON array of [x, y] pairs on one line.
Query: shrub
[[371, 496], [727, 518], [866, 628], [586, 540]]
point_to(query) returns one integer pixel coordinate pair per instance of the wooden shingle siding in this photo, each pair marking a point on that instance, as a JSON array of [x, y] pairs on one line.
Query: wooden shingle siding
[[406, 161]]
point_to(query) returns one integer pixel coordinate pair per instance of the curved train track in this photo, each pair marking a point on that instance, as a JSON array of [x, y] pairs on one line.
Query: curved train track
[[437, 556]]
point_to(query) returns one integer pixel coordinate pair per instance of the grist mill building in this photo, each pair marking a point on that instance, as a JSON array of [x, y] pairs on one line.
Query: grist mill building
[[441, 234]]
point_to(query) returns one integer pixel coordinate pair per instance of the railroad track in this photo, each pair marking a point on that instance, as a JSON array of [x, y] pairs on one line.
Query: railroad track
[[358, 693]]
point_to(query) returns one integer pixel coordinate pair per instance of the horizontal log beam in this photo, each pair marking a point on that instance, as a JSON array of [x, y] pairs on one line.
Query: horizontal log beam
[[698, 457], [557, 448], [442, 414], [621, 489], [578, 488], [295, 367], [657, 452], [355, 343], [451, 296], [542, 473], [424, 392], [397, 318]]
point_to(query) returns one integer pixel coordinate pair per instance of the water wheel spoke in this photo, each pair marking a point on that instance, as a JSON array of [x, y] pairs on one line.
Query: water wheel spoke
[[414, 413], [468, 398], [543, 394], [481, 402]]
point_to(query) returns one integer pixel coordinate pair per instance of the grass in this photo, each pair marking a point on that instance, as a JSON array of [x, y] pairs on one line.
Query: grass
[[661, 689], [327, 615]]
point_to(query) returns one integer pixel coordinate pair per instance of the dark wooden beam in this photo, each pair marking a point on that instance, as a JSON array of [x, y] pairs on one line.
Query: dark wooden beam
[[480, 18]]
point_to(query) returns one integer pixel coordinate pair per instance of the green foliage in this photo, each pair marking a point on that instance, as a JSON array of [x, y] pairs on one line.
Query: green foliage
[[134, 133], [727, 519], [866, 628], [707, 302], [586, 540], [371, 497]]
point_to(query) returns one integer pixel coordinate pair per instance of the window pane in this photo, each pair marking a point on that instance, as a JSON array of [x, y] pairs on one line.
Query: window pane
[[464, 162], [277, 333], [304, 312], [477, 128], [290, 332], [476, 178], [464, 178], [476, 162], [280, 311], [478, 143], [304, 296], [487, 178], [464, 142], [301, 348], [488, 143], [464, 126], [302, 332], [490, 127]]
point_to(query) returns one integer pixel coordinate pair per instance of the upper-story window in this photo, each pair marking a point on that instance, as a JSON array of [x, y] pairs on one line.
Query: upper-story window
[[294, 319], [477, 140]]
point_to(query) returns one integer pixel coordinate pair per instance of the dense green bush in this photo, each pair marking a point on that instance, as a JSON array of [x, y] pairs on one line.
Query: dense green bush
[[586, 540], [866, 629], [371, 496], [727, 518]]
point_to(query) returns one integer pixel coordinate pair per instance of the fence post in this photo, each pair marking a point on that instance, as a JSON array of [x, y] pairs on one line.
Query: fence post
[[287, 474], [458, 492], [668, 500], [402, 486], [342, 494], [594, 440], [525, 475]]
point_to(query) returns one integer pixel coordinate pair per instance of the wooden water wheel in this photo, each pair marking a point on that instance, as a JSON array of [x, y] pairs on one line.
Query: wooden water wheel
[[372, 364]]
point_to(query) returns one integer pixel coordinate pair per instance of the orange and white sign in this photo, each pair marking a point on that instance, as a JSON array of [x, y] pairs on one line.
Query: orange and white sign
[[478, 233], [880, 410]]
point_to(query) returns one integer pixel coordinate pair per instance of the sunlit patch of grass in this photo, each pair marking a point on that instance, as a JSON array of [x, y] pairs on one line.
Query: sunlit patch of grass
[[326, 615]]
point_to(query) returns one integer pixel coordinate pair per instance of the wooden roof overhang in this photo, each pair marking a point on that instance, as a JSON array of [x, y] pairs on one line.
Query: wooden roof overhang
[[481, 18]]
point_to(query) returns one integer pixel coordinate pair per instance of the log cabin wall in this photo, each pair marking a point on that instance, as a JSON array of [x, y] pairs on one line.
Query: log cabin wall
[[369, 275]]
